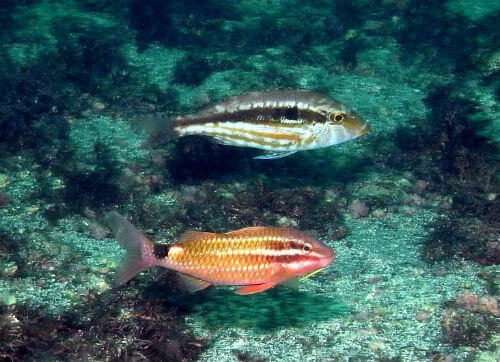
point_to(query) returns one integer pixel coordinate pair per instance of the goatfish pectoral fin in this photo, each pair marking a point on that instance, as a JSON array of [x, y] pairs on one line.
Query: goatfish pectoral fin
[[254, 288], [294, 283], [291, 283], [274, 155], [193, 284], [140, 250]]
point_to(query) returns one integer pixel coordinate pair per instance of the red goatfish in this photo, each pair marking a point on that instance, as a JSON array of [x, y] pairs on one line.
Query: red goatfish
[[280, 122], [254, 258]]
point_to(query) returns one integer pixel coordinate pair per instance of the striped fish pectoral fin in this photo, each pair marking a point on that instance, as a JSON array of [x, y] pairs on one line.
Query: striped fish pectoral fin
[[193, 284], [274, 155], [254, 288]]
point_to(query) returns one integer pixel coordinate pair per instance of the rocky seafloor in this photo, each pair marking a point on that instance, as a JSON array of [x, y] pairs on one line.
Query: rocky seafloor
[[412, 209]]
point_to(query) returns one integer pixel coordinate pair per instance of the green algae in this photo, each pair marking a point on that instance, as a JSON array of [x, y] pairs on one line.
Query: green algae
[[116, 135], [474, 10], [36, 35]]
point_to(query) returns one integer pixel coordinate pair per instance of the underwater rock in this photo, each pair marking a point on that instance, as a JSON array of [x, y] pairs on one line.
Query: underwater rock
[[422, 316], [467, 301], [378, 213], [358, 209], [4, 199], [8, 268], [193, 194], [420, 185], [464, 328], [98, 106]]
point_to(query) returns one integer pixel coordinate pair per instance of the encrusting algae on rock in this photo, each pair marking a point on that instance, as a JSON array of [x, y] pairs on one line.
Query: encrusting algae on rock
[[280, 122], [254, 258]]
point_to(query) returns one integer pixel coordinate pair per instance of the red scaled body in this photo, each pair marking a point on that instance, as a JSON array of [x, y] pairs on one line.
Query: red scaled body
[[255, 258]]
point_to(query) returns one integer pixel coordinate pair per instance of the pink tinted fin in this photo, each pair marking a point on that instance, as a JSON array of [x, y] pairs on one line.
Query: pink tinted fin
[[246, 230], [193, 235], [193, 284], [254, 288], [140, 251]]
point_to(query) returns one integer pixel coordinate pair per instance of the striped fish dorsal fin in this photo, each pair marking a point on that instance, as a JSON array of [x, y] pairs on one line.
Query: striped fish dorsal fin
[[193, 235]]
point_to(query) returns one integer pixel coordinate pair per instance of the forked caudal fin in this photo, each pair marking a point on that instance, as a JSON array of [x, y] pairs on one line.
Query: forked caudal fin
[[140, 250]]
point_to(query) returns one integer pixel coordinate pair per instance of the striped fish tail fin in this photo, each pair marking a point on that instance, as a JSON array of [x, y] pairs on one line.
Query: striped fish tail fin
[[159, 131]]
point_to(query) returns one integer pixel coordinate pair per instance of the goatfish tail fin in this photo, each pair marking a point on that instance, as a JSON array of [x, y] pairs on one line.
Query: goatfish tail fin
[[140, 250]]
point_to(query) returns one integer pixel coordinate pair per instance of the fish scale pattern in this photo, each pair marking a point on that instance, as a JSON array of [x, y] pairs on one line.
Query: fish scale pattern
[[247, 256]]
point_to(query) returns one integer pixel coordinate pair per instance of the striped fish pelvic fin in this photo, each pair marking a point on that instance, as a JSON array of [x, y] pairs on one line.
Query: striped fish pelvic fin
[[274, 155]]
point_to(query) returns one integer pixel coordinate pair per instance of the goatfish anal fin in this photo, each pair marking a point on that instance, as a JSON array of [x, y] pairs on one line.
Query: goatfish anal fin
[[274, 155], [193, 284], [254, 288]]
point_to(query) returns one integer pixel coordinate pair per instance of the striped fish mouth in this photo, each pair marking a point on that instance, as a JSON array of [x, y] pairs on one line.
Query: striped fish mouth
[[364, 130]]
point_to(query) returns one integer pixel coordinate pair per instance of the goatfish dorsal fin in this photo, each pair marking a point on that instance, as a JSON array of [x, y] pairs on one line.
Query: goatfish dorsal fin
[[193, 235], [247, 230]]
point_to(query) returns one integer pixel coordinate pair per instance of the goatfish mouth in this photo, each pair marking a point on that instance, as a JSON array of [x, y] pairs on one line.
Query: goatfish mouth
[[254, 258], [279, 122]]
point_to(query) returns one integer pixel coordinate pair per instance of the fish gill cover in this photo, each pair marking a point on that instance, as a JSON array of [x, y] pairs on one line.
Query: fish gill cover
[[412, 210]]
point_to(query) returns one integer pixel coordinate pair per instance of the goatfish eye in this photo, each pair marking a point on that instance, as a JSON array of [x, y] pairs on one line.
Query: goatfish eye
[[307, 247], [304, 246]]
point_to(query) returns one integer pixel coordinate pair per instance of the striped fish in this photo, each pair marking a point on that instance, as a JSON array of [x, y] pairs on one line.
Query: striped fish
[[255, 258], [280, 122]]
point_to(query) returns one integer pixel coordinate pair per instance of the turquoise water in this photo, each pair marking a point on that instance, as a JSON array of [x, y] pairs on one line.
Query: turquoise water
[[411, 209]]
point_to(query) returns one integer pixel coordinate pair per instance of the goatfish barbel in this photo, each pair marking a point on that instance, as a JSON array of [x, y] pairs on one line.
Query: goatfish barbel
[[254, 258], [280, 122]]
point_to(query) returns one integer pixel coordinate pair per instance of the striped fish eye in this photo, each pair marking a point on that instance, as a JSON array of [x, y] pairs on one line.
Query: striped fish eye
[[337, 118]]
